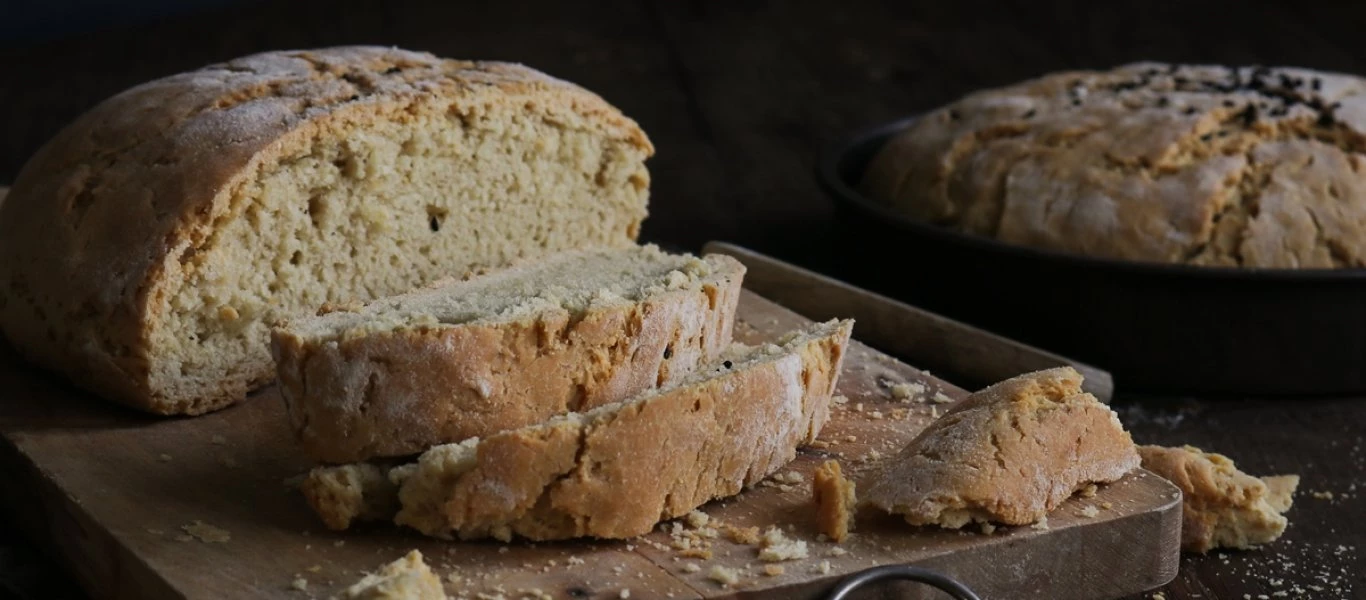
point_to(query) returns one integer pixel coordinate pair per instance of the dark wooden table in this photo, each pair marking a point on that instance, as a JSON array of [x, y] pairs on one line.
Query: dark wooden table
[[739, 96]]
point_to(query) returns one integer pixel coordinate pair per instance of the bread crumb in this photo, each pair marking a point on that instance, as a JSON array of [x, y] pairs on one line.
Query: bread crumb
[[504, 549], [207, 533], [1041, 525], [725, 576], [1089, 491], [907, 392], [315, 569], [790, 477], [774, 570], [164, 457], [1106, 505], [822, 567], [574, 560], [743, 535], [219, 440], [407, 578], [851, 438], [1090, 511], [835, 499], [339, 543], [1322, 495], [941, 398], [836, 551], [625, 593], [697, 519], [691, 568], [838, 399], [776, 547], [299, 584], [988, 528]]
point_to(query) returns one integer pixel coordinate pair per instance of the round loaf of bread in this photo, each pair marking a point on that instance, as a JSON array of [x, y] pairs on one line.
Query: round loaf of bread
[[149, 246], [1204, 165]]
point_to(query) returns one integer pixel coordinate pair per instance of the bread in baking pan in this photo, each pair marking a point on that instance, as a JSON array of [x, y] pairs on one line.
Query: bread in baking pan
[[617, 470], [1007, 454], [1203, 165], [563, 333], [151, 244]]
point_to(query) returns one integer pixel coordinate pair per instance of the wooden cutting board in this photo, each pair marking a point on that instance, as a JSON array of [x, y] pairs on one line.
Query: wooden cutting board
[[116, 495]]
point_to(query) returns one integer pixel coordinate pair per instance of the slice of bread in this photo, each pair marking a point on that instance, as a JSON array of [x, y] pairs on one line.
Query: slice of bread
[[502, 350], [151, 244], [1006, 454], [1222, 507], [617, 470]]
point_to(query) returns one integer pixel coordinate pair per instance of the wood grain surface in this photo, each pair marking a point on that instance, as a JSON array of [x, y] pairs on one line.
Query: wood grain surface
[[119, 497], [739, 97]]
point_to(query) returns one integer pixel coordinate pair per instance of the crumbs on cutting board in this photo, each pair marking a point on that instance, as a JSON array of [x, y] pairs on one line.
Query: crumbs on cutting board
[[204, 532]]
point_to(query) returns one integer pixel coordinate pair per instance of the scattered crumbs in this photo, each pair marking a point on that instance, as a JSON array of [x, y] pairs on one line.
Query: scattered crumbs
[[454, 578], [207, 533], [934, 412], [907, 392], [164, 457], [618, 569], [155, 531], [839, 399], [776, 547], [773, 570], [183, 538], [742, 535], [219, 440], [725, 576], [339, 543], [1090, 511], [629, 548], [988, 528], [822, 567], [858, 407], [941, 398], [315, 569], [698, 519], [1042, 525], [1322, 495], [836, 551], [574, 560], [790, 477], [625, 593], [1106, 505], [877, 414], [822, 538], [851, 438], [691, 568], [1159, 596], [299, 584], [820, 444], [1089, 491]]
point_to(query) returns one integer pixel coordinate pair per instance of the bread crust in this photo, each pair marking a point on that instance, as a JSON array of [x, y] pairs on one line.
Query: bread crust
[[1197, 164], [398, 392], [104, 223]]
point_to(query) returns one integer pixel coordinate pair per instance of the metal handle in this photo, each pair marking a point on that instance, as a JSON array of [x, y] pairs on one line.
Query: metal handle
[[942, 582]]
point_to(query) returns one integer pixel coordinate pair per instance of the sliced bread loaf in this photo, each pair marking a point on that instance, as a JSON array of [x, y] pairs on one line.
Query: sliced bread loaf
[[617, 470], [502, 350], [150, 245]]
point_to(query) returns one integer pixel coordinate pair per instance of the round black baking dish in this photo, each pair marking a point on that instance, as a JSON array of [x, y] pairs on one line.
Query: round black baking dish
[[1157, 327]]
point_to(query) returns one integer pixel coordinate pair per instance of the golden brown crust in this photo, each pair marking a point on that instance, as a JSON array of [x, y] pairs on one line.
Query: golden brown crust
[[835, 497], [1222, 507], [1253, 167], [105, 221], [616, 472], [1007, 454], [398, 392]]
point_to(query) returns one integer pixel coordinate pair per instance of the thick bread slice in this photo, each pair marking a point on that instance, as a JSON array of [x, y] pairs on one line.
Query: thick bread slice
[[150, 245], [616, 471], [502, 350], [1222, 507], [1007, 454]]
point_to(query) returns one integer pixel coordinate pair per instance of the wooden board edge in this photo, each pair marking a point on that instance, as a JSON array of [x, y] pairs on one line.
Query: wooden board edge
[[58, 525], [1152, 560]]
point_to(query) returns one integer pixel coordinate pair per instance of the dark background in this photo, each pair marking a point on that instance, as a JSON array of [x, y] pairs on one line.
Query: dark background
[[739, 97]]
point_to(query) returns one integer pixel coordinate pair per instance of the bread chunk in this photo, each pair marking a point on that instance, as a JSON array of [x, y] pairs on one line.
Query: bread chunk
[[503, 350], [1196, 164], [348, 493], [152, 243], [408, 578], [836, 500], [1222, 507], [1007, 454], [619, 469]]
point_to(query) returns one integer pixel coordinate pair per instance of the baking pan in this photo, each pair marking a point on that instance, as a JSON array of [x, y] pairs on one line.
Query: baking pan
[[1159, 328]]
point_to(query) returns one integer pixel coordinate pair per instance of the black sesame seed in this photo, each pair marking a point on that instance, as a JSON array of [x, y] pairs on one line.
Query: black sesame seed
[[727, 364]]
